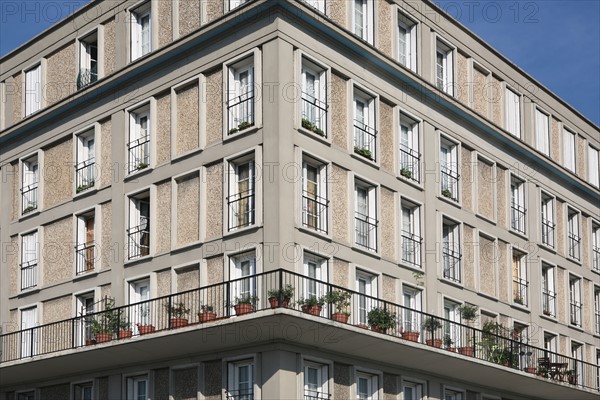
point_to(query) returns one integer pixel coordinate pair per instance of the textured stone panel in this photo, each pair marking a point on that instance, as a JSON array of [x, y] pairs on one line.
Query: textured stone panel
[[462, 78], [337, 11], [391, 389], [187, 119], [110, 46], [555, 140], [580, 157], [105, 291], [339, 111], [466, 175], [109, 246], [61, 74], [480, 97], [163, 219], [213, 375], [214, 270], [57, 251], [497, 99], [185, 384], [103, 388], [105, 169], [341, 381], [585, 241], [339, 203], [188, 279], [163, 282], [165, 21], [188, 207], [214, 201], [212, 9], [17, 98], [504, 271], [560, 221], [388, 225], [485, 189], [561, 293], [55, 392], [388, 285], [189, 16], [13, 264], [386, 137], [501, 196], [16, 200], [161, 383], [385, 31], [163, 129], [57, 173], [214, 107], [340, 274], [587, 317], [469, 258], [57, 309], [487, 266]]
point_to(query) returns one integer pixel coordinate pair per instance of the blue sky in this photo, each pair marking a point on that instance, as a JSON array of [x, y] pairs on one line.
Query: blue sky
[[555, 41]]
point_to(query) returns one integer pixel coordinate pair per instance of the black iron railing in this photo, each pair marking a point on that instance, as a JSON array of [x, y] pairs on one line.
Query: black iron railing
[[314, 211], [517, 217], [549, 303], [29, 198], [85, 253], [574, 244], [204, 305], [85, 175], [366, 231], [314, 114], [597, 320], [520, 291], [451, 263], [241, 112], [29, 275], [411, 248], [86, 76], [314, 395], [575, 312], [139, 154], [365, 140], [139, 241], [241, 209], [596, 258], [449, 183], [409, 163], [548, 232]]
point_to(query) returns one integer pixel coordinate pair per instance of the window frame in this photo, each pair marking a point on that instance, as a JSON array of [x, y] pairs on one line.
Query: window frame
[[368, 25], [371, 293], [321, 273], [374, 383], [548, 281], [370, 219], [82, 241], [573, 233], [33, 100], [137, 139], [547, 219], [453, 391], [595, 246], [132, 379], [518, 208], [448, 53], [542, 131], [233, 195], [248, 62], [414, 237], [85, 58], [513, 128], [405, 22], [451, 175], [32, 181], [569, 149], [455, 240], [86, 166], [319, 126], [409, 156], [136, 30], [34, 238], [520, 278], [135, 214], [233, 375], [321, 197], [369, 128], [323, 390], [417, 384], [575, 300], [593, 158], [76, 394]]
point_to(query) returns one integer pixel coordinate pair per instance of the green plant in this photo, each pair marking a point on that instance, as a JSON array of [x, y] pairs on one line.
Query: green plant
[[519, 300], [363, 152], [312, 301], [204, 308], [233, 130], [177, 310], [431, 324], [418, 276], [447, 193], [468, 312], [542, 371], [30, 208], [448, 340], [312, 127], [246, 299], [340, 299], [85, 186], [109, 320], [142, 165], [286, 292], [244, 125], [406, 173], [381, 318]]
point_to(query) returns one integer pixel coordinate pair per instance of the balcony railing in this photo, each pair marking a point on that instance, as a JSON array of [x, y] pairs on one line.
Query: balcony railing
[[575, 312], [85, 175], [241, 209], [597, 321], [29, 196], [449, 183], [241, 112], [548, 232], [520, 288], [365, 140], [314, 114], [314, 395], [242, 394], [85, 253], [451, 263], [366, 231], [596, 258], [549, 303], [139, 154], [314, 212], [574, 243], [214, 303], [411, 248], [409, 163], [28, 275], [139, 241], [86, 76], [517, 217]]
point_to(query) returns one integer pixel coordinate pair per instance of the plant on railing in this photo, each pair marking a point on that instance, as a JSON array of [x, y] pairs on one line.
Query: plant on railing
[[340, 300], [85, 186], [380, 319], [30, 208], [281, 297], [142, 165], [177, 313], [245, 304], [431, 325], [448, 342], [547, 313], [312, 305], [542, 371], [405, 172], [363, 152], [241, 127], [144, 329], [123, 328], [447, 193], [468, 314], [571, 375], [306, 124], [206, 313], [519, 300], [106, 323]]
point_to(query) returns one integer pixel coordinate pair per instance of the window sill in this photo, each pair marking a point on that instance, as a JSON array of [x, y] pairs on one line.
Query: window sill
[[325, 139], [241, 231], [31, 214], [138, 260], [138, 173], [91, 274], [314, 232], [366, 251], [448, 200], [519, 234], [373, 163], [90, 191], [520, 307], [577, 328], [248, 131], [411, 267], [574, 260], [410, 181], [548, 317], [547, 247], [451, 282], [28, 292]]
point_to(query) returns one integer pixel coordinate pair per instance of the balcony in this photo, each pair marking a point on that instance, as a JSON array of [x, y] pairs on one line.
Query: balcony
[[314, 114], [201, 318]]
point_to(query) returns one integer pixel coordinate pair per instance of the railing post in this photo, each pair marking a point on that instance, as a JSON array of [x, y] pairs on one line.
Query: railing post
[[169, 302], [31, 342], [280, 288], [73, 332], [227, 300]]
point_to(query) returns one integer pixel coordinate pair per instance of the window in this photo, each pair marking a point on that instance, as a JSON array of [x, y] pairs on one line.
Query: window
[[236, 3], [315, 269], [243, 270], [548, 291], [593, 166], [407, 42], [83, 391], [573, 235], [513, 112], [449, 169], [410, 158], [365, 219], [453, 395], [575, 300], [240, 105], [365, 135], [520, 334], [569, 150], [367, 386], [138, 232], [137, 387], [86, 246], [314, 98], [542, 133], [29, 185], [85, 168], [412, 390], [517, 205], [411, 315], [84, 304], [520, 282], [444, 67], [139, 293], [451, 328], [26, 396], [141, 32], [315, 202], [316, 381], [366, 285], [139, 139], [30, 248], [241, 194], [451, 251], [318, 4], [88, 60], [548, 220], [33, 90], [29, 319], [595, 246], [411, 234], [550, 345], [577, 354], [362, 19], [597, 309], [240, 385]]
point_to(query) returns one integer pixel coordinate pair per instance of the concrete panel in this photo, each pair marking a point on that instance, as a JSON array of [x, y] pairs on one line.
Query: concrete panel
[[188, 207], [555, 141], [105, 291], [102, 388], [388, 285], [466, 171], [340, 273], [341, 382], [212, 9], [55, 392], [57, 252], [480, 97], [161, 383], [213, 378], [214, 201], [385, 28], [13, 265], [105, 168], [163, 129], [189, 16], [110, 50], [16, 200], [163, 217], [17, 98], [61, 74], [57, 173], [469, 258], [188, 279], [587, 316], [487, 270], [185, 384], [214, 270], [585, 241], [165, 22], [388, 225], [560, 227], [386, 137], [485, 189], [580, 157], [339, 203], [391, 388], [109, 245], [214, 107], [462, 78], [339, 111], [561, 293], [57, 309], [338, 10], [504, 271], [501, 196], [187, 119], [497, 99], [163, 283]]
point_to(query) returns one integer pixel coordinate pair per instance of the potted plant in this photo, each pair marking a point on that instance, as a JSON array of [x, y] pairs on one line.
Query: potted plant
[[363, 152], [448, 343], [381, 319], [244, 125], [306, 124], [530, 370], [405, 172], [468, 314], [312, 305], [145, 329], [101, 330], [432, 324], [547, 313], [141, 165], [123, 329], [281, 297], [542, 372], [571, 376], [245, 304], [30, 207], [341, 301], [177, 313], [85, 186], [206, 313], [447, 193], [518, 300], [413, 336]]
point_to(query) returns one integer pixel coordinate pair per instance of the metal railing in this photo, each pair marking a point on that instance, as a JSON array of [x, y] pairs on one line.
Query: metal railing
[[597, 321], [216, 302], [575, 312], [517, 217], [241, 209], [574, 244], [366, 231], [451, 263], [314, 114], [139, 153], [548, 232], [549, 303], [29, 198], [314, 211], [365, 140], [85, 253], [29, 275], [596, 258], [86, 76], [85, 175], [139, 241], [411, 248], [314, 395], [409, 163], [241, 112], [520, 291], [449, 183], [242, 394]]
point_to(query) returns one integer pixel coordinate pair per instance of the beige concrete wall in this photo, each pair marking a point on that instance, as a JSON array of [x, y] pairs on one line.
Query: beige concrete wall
[[338, 10], [388, 225], [189, 16], [339, 204], [504, 271], [187, 119], [57, 309], [340, 274], [188, 279], [339, 111], [385, 27], [391, 388], [212, 9], [497, 99], [585, 242], [105, 168], [185, 384], [466, 172], [57, 173], [57, 252], [580, 157], [16, 182], [61, 391], [214, 107], [213, 378], [555, 140], [386, 137], [214, 201], [388, 286], [587, 316], [165, 22], [163, 218], [17, 98], [561, 294], [462, 78], [13, 265], [341, 382], [560, 227], [214, 270], [485, 189], [468, 260], [163, 129], [480, 96], [161, 383], [487, 266], [501, 196], [61, 74], [110, 39], [163, 282], [107, 241], [105, 291], [188, 207]]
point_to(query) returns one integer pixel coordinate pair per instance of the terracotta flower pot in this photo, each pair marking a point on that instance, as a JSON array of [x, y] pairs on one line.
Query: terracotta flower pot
[[467, 351], [530, 370], [125, 333], [375, 328], [241, 309], [179, 322], [274, 301], [207, 316], [89, 342], [452, 349], [412, 336], [434, 342], [146, 329], [103, 337], [362, 326], [340, 317], [313, 310]]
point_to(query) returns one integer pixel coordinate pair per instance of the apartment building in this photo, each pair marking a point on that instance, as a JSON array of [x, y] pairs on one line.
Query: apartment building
[[324, 199]]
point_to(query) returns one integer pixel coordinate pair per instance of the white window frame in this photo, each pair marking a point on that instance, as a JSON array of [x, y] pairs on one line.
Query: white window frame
[[314, 105], [85, 162], [406, 33], [452, 314], [453, 394], [547, 219], [318, 5], [512, 115], [82, 244], [319, 218], [362, 304], [143, 223], [593, 170], [84, 303], [575, 301], [139, 290], [233, 377], [444, 66], [518, 210], [29, 317], [33, 89], [86, 46], [417, 388], [30, 258], [367, 214], [412, 298], [243, 265], [233, 4], [409, 156], [449, 162], [597, 309], [137, 17], [520, 275], [236, 200], [321, 387], [132, 388], [364, 122], [595, 246], [542, 131], [366, 29], [78, 393], [569, 146], [241, 101], [451, 244], [410, 233], [315, 267], [372, 385], [573, 234], [140, 137], [549, 286], [30, 180], [550, 342]]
